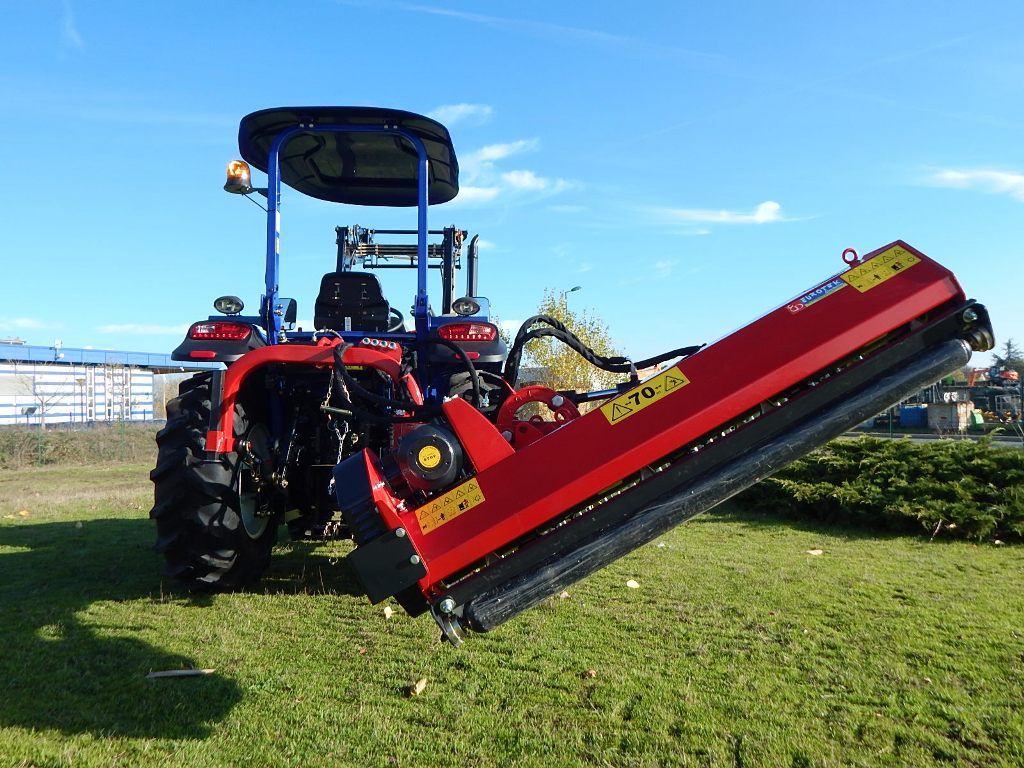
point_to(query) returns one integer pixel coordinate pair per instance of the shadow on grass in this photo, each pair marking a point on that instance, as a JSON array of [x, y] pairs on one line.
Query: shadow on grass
[[302, 568], [89, 676]]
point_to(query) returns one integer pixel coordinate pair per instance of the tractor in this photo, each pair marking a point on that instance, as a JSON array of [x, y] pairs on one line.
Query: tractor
[[467, 495], [295, 416]]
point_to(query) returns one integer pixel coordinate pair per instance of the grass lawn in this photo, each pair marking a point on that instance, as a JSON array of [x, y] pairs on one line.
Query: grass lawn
[[737, 649]]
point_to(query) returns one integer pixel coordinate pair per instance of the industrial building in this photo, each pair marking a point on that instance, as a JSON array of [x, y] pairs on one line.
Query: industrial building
[[70, 385]]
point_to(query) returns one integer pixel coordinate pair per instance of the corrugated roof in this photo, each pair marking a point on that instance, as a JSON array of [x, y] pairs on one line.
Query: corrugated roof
[[160, 363]]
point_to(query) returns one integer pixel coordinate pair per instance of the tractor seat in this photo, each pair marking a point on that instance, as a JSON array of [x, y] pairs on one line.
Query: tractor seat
[[351, 301]]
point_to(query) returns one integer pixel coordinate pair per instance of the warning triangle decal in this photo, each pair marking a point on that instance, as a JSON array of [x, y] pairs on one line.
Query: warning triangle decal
[[619, 411], [671, 382]]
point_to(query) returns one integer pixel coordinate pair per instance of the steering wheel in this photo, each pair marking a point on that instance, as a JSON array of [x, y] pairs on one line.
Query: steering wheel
[[396, 320]]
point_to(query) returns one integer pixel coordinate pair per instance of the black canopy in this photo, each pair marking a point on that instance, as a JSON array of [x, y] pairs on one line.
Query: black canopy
[[356, 168]]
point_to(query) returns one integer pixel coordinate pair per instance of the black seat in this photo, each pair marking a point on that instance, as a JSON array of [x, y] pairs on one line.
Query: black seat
[[351, 301]]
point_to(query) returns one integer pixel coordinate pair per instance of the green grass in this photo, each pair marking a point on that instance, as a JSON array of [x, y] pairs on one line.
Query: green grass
[[738, 649]]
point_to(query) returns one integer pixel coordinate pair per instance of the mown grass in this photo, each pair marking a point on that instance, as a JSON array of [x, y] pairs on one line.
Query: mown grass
[[737, 649]]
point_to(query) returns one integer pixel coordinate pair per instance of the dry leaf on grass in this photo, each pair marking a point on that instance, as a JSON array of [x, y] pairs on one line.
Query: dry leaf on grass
[[563, 594], [388, 612], [814, 552], [589, 674], [23, 512], [415, 689], [633, 584]]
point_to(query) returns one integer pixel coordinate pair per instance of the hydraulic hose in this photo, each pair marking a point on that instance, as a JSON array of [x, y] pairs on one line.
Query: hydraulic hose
[[558, 330], [349, 386], [420, 412], [461, 354]]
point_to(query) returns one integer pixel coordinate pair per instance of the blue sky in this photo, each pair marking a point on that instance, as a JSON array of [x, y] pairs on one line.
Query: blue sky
[[690, 165]]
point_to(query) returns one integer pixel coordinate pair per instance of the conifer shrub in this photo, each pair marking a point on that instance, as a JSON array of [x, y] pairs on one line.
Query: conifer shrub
[[953, 488]]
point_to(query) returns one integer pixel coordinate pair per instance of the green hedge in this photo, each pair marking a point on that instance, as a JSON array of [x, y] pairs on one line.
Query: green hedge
[[963, 488], [31, 446]]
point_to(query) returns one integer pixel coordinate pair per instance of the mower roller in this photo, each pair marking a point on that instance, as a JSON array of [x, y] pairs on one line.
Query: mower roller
[[415, 442]]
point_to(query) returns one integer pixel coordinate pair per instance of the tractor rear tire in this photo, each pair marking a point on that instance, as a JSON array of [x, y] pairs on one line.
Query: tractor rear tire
[[206, 516]]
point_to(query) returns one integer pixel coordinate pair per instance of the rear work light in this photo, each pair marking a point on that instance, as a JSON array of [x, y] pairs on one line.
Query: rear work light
[[218, 330], [468, 332]]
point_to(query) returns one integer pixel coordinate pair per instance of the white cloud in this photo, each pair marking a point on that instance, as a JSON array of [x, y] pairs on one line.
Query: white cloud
[[491, 152], [143, 329], [470, 195], [765, 213], [561, 34], [566, 208], [9, 324], [484, 181], [663, 267], [450, 114], [527, 180], [69, 33], [994, 182]]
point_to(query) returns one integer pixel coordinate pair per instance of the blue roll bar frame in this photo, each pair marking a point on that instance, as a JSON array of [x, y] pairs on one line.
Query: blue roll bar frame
[[269, 311]]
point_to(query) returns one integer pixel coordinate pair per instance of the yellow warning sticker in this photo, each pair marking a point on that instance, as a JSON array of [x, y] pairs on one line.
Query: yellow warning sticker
[[447, 507], [651, 391], [429, 457], [877, 270]]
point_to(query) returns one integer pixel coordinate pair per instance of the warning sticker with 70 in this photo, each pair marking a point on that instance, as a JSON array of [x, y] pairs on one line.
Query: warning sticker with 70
[[651, 391], [448, 506]]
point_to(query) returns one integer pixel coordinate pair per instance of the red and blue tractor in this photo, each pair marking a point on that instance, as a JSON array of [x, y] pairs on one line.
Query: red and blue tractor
[[411, 434]]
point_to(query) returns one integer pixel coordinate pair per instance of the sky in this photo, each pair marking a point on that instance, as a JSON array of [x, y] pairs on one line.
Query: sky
[[689, 165]]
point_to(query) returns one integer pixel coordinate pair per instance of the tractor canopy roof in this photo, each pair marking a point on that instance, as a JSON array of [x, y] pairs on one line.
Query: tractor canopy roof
[[353, 167]]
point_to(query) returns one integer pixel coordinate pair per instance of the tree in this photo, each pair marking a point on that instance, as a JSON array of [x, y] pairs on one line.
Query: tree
[[1012, 358], [45, 394], [560, 367], [165, 387]]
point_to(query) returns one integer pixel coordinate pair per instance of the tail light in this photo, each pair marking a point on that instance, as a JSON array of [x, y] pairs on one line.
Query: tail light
[[219, 330], [468, 332]]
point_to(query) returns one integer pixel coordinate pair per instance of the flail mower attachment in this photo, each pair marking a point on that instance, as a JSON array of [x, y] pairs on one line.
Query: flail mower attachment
[[476, 526]]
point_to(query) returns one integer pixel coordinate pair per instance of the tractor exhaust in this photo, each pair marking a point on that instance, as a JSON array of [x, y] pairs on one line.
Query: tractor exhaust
[[496, 604]]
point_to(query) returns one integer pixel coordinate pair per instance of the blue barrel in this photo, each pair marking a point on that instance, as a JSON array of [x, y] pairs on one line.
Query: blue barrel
[[913, 416]]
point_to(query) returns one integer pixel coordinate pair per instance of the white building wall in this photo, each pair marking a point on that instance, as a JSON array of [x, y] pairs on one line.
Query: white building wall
[[60, 393]]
